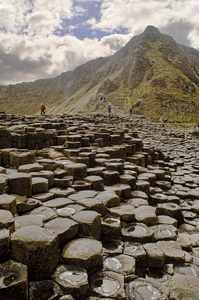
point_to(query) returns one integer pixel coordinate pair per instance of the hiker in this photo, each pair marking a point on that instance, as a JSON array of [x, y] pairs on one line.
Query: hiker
[[43, 109], [131, 111], [109, 110]]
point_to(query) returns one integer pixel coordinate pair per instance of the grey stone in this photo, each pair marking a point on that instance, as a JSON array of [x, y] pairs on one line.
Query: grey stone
[[72, 279], [64, 228], [121, 263], [83, 252], [13, 280], [43, 289], [184, 287], [89, 223], [146, 214], [20, 183], [34, 240], [108, 283], [4, 244], [8, 202]]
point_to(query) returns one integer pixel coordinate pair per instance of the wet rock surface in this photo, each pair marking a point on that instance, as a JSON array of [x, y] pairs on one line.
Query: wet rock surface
[[98, 208]]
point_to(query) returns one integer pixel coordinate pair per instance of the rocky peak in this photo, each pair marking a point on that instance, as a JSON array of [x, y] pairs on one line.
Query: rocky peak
[[152, 34]]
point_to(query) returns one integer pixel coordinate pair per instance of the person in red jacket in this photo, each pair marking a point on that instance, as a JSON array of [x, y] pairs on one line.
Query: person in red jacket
[[43, 109]]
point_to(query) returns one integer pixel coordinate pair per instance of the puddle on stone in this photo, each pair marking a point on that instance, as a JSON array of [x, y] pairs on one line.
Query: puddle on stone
[[9, 279], [131, 249], [189, 214], [109, 245], [74, 277], [47, 294], [112, 263], [111, 221], [105, 286], [186, 271], [31, 202], [196, 261], [164, 232], [137, 230], [172, 205], [66, 211], [148, 292]]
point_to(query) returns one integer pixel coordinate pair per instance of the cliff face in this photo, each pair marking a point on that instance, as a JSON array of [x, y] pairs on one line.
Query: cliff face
[[152, 73]]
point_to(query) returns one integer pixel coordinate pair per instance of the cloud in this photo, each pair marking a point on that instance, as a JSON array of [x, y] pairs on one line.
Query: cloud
[[136, 15], [25, 58], [38, 41]]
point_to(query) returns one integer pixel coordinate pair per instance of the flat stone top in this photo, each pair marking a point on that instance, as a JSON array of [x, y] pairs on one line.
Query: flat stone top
[[5, 198], [76, 165], [33, 234], [60, 224], [30, 167], [4, 233], [82, 248], [86, 216], [5, 216], [19, 175], [58, 202]]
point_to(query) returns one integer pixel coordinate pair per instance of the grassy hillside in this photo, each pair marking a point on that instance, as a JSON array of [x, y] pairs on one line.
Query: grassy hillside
[[152, 73]]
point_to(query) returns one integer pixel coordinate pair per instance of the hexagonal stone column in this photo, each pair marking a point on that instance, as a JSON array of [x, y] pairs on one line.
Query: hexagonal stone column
[[85, 252], [45, 289], [108, 284], [137, 232], [4, 244], [126, 212], [97, 182], [110, 227], [13, 280], [89, 223], [8, 202], [173, 251], [146, 214], [72, 280], [78, 171], [155, 255], [172, 210], [20, 183], [39, 185], [64, 228], [137, 251], [36, 248], [4, 187], [111, 177], [6, 219], [121, 263]]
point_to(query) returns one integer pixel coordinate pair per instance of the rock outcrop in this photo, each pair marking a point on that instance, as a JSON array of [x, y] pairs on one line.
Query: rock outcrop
[[90, 209]]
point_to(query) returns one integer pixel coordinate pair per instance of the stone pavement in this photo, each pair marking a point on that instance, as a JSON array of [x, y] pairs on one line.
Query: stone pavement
[[98, 208]]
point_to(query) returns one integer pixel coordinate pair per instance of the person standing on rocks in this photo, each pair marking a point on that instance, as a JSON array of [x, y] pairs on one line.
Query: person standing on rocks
[[43, 109], [131, 111], [109, 110]]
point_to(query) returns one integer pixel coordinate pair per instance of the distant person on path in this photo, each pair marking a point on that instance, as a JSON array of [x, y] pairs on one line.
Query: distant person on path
[[43, 109], [109, 110], [131, 111]]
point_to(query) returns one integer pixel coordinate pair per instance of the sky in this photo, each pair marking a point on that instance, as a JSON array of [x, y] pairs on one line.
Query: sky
[[43, 38]]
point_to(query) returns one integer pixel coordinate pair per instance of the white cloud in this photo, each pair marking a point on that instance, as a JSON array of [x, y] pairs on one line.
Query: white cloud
[[12, 15]]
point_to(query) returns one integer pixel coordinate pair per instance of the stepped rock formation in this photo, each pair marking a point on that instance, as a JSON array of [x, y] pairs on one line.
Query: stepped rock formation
[[152, 73], [95, 207]]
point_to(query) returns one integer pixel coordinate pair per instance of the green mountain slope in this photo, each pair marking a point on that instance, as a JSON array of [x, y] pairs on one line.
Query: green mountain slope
[[152, 73]]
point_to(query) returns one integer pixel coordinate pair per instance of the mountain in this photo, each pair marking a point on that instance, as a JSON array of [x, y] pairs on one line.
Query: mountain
[[152, 73]]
